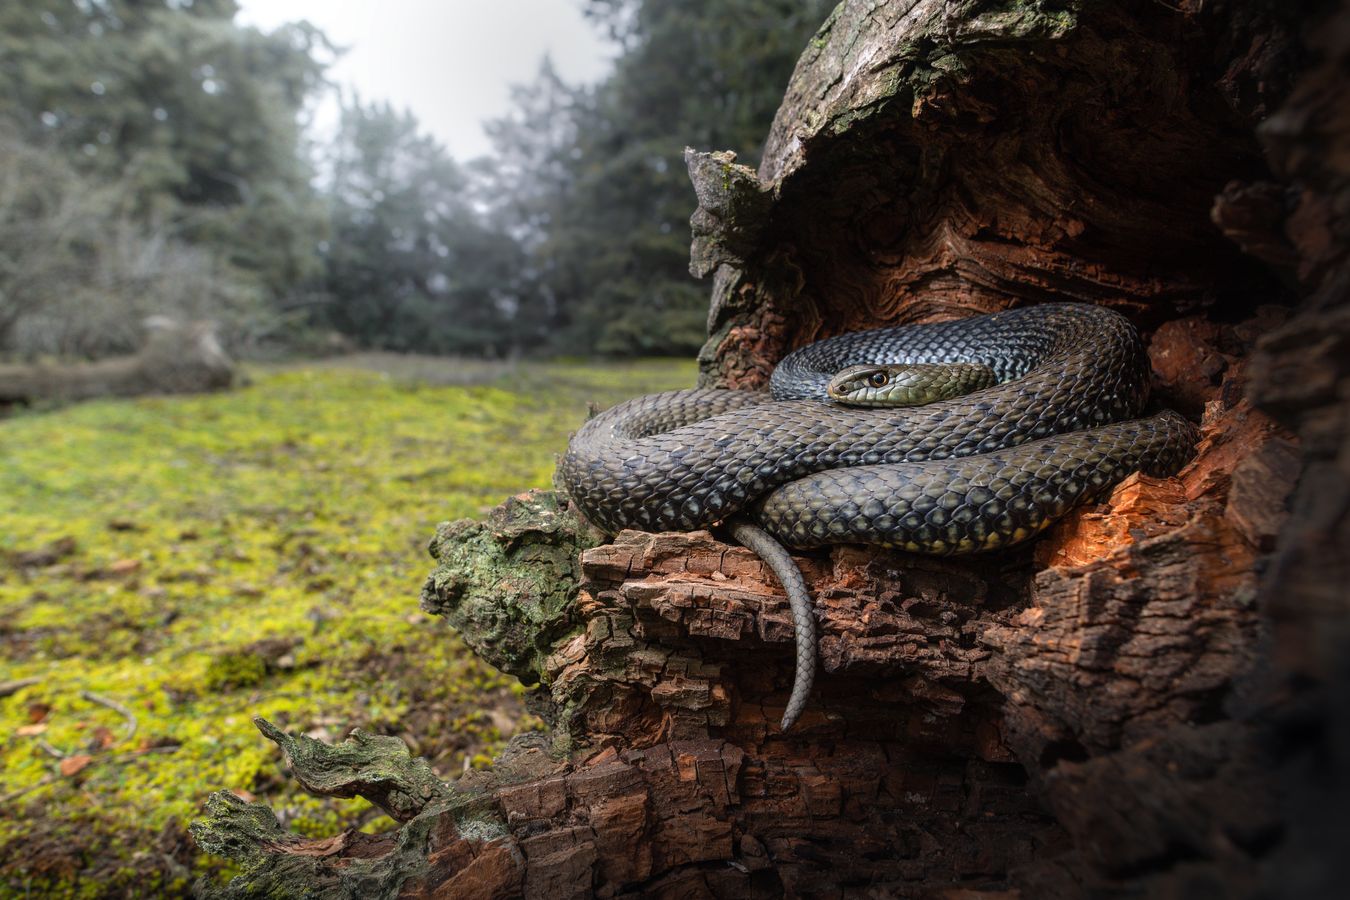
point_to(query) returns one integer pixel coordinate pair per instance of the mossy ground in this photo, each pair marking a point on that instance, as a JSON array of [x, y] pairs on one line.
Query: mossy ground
[[200, 560]]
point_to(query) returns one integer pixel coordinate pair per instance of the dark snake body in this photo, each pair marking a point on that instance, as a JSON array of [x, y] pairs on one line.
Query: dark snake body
[[976, 472]]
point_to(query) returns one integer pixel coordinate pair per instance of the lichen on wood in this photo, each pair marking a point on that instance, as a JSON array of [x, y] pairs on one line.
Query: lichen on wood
[[374, 766], [508, 584]]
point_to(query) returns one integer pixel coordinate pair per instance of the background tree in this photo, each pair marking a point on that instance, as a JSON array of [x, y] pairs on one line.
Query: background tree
[[574, 236], [191, 123], [187, 127], [595, 185], [410, 266], [77, 275]]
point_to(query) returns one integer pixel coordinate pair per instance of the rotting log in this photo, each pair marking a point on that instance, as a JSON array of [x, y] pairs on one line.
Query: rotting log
[[1148, 702], [176, 359]]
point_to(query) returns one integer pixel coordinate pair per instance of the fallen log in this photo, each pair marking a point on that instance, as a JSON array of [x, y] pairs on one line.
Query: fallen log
[[176, 359]]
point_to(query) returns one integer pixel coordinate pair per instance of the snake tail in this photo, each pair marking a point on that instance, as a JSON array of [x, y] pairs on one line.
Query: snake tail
[[781, 564]]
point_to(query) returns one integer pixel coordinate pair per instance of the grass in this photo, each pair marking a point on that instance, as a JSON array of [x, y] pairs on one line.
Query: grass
[[186, 563]]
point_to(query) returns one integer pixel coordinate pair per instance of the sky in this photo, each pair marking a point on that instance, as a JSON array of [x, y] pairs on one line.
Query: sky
[[451, 62]]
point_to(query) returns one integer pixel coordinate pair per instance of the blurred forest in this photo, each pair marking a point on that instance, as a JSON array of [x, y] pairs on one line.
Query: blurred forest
[[153, 160]]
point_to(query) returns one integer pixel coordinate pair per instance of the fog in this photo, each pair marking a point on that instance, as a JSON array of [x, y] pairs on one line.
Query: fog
[[451, 62]]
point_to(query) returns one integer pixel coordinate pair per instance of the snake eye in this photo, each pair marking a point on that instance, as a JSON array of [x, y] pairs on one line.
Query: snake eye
[[877, 379]]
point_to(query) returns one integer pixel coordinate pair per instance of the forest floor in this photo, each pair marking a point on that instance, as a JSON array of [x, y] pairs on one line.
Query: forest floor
[[171, 567]]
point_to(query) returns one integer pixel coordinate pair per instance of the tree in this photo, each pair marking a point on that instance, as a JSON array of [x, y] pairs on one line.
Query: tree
[[594, 179], [78, 274], [194, 119], [411, 266]]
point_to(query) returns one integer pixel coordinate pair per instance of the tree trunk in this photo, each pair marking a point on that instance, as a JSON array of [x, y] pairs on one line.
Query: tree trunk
[[1142, 704]]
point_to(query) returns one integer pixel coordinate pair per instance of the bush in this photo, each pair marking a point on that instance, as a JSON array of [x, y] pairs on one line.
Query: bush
[[78, 275]]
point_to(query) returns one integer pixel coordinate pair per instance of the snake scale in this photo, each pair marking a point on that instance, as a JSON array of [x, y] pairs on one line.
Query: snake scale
[[978, 471]]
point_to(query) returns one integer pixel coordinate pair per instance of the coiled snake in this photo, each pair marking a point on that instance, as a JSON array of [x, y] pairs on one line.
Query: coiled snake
[[977, 471]]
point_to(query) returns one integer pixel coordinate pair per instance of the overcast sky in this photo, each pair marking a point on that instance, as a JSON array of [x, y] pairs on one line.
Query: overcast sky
[[452, 62]]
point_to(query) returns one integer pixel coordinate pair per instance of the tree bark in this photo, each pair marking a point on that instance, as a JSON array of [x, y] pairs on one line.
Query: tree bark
[[1145, 703]]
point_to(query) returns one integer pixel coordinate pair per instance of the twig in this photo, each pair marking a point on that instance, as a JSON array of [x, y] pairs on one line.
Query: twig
[[13, 687], [116, 707], [15, 795], [96, 758], [130, 754], [51, 751]]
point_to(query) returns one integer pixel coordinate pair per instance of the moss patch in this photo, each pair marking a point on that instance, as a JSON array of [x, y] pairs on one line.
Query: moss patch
[[189, 562]]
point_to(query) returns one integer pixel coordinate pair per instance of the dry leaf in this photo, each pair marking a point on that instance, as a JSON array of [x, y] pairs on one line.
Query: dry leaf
[[124, 566], [73, 764], [31, 730]]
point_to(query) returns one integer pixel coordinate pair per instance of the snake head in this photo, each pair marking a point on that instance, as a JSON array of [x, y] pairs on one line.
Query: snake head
[[907, 384], [862, 385]]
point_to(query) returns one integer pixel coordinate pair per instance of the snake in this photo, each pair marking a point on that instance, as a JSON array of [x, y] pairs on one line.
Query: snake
[[1008, 420]]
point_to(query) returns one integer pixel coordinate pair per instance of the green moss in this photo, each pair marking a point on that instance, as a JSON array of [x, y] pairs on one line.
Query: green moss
[[822, 36], [250, 553], [235, 670]]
